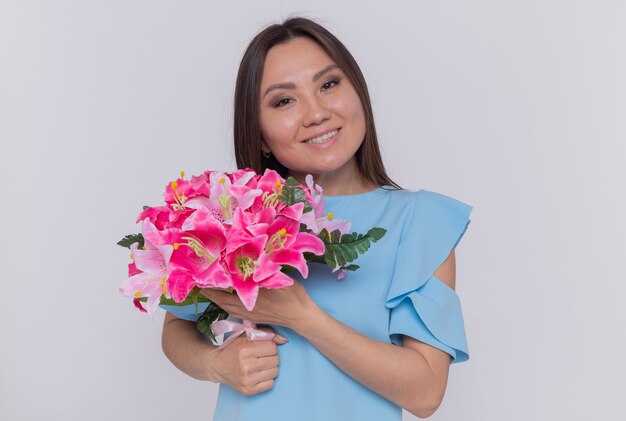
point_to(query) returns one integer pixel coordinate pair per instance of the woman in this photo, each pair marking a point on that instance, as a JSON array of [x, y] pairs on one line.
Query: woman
[[384, 337]]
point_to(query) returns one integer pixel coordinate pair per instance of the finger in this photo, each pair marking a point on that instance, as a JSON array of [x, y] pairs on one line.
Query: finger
[[263, 386], [206, 292], [265, 363], [223, 299], [278, 338], [228, 299], [211, 293], [261, 349], [265, 375]]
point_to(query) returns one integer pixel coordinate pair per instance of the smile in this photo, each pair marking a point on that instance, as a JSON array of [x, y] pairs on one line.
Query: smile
[[322, 139]]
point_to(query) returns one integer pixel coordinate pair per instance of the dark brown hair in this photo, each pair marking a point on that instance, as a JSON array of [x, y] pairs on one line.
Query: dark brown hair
[[247, 127]]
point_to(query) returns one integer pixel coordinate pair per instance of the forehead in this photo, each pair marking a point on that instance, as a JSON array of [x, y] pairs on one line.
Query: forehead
[[298, 58]]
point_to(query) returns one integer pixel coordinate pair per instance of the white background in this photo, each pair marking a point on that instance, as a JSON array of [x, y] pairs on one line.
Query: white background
[[515, 107]]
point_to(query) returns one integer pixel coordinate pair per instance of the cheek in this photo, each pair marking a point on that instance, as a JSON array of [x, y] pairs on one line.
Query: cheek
[[357, 108], [279, 129], [350, 107]]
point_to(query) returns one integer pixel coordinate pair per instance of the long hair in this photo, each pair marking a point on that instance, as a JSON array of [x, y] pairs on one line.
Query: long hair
[[247, 126]]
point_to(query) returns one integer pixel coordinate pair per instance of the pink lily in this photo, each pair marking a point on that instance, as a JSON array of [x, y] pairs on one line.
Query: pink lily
[[256, 252], [286, 244], [149, 274], [196, 255], [316, 221], [226, 197], [245, 265], [270, 184], [163, 217]]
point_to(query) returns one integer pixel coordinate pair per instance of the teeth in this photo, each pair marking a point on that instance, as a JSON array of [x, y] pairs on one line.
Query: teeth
[[323, 138]]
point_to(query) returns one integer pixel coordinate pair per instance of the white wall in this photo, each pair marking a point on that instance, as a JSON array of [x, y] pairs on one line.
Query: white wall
[[517, 108]]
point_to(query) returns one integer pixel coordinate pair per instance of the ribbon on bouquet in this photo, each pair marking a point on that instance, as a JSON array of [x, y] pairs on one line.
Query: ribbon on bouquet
[[224, 326]]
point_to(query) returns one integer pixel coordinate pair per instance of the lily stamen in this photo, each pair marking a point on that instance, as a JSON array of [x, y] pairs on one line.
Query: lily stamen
[[277, 241], [180, 200], [246, 266], [226, 204], [198, 248]]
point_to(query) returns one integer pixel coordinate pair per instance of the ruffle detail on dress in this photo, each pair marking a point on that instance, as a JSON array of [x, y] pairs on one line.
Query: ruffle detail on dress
[[422, 306]]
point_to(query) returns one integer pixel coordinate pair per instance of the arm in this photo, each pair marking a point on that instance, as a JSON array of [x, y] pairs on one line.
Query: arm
[[185, 347], [414, 376], [249, 367]]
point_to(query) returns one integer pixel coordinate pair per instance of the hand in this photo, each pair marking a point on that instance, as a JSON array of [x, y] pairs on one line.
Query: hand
[[285, 306], [249, 367]]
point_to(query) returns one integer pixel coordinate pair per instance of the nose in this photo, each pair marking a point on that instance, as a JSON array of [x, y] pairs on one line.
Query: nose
[[316, 112]]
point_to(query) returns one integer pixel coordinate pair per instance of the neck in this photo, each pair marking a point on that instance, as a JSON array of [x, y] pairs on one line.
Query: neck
[[338, 183]]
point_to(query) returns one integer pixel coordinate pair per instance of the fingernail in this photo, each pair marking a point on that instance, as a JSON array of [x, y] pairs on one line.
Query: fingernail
[[281, 338]]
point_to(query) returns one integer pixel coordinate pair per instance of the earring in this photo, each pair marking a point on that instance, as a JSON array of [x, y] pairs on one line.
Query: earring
[[266, 154]]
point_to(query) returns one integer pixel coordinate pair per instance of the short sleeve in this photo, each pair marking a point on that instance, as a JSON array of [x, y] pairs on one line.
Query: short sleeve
[[421, 305], [187, 312]]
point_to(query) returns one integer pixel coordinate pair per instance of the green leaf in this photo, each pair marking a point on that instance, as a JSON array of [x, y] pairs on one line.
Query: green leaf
[[343, 249], [339, 255], [287, 269], [194, 297], [131, 239], [292, 193], [329, 258], [313, 258], [349, 253], [376, 233]]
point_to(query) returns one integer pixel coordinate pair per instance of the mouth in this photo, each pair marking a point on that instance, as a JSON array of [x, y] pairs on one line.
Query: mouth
[[326, 137]]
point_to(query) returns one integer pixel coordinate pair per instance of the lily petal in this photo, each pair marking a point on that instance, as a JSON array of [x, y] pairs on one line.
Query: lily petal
[[215, 276], [308, 242], [135, 283], [277, 280], [265, 267], [294, 211], [247, 290], [292, 258], [148, 260], [179, 284]]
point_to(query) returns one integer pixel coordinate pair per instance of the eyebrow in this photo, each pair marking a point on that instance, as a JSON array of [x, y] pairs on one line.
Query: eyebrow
[[290, 85]]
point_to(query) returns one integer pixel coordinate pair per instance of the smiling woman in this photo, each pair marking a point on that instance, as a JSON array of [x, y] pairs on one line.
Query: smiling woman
[[332, 68], [383, 338]]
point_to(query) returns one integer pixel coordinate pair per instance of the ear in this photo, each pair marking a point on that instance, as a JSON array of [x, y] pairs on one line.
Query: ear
[[264, 147]]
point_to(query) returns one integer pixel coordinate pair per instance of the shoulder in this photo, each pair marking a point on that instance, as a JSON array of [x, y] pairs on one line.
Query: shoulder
[[435, 199], [423, 197], [428, 212], [436, 208]]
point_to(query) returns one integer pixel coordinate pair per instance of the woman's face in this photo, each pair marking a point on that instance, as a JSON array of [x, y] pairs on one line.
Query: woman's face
[[311, 116]]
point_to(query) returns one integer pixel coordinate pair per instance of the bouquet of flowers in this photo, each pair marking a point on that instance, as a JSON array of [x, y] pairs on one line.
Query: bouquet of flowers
[[239, 231]]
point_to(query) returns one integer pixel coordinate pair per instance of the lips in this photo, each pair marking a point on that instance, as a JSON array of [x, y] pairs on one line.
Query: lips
[[320, 135]]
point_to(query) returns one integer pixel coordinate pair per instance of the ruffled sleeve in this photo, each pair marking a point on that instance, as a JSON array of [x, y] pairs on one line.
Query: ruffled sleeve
[[422, 306], [187, 312]]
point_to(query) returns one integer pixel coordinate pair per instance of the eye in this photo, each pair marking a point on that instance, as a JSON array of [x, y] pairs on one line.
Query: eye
[[281, 102], [331, 83]]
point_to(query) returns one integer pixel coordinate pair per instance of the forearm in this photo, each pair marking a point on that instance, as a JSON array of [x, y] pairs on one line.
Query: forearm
[[400, 374], [185, 347]]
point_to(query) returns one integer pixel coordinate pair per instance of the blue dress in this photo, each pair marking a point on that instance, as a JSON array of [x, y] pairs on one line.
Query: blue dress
[[393, 293]]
